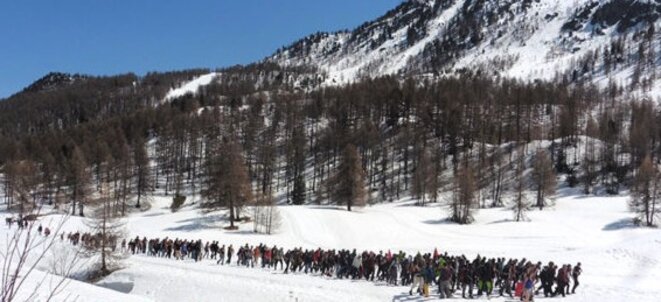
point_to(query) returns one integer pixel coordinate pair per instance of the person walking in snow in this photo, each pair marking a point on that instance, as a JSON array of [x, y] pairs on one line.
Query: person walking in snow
[[417, 278], [230, 251], [356, 264], [508, 279], [528, 287], [444, 279], [428, 278], [575, 273], [562, 280]]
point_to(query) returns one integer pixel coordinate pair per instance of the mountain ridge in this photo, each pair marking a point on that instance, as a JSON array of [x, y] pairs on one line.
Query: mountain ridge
[[530, 39]]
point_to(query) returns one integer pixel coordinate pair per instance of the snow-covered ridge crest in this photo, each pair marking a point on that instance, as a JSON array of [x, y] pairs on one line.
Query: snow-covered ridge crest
[[527, 39]]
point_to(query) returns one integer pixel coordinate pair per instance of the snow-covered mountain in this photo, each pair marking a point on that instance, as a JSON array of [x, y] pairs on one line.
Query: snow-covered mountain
[[594, 40]]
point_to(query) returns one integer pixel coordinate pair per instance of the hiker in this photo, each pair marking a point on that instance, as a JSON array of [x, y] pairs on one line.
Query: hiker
[[562, 280], [575, 273], [230, 251], [417, 278], [486, 274], [528, 287], [466, 279], [508, 280], [278, 255], [221, 255], [428, 278], [444, 279]]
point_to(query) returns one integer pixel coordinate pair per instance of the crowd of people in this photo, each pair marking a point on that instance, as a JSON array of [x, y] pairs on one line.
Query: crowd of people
[[91, 241], [453, 275]]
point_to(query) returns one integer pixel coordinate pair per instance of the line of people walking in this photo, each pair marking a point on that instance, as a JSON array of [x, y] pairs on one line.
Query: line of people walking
[[452, 275]]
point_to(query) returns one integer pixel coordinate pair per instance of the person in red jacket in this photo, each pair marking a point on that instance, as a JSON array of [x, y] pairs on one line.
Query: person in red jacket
[[562, 280], [268, 255]]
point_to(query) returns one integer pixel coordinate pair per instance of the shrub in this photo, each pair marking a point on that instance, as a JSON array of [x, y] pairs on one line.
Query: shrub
[[177, 202]]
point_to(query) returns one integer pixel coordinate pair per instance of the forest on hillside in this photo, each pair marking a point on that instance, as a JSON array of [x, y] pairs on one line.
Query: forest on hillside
[[253, 136]]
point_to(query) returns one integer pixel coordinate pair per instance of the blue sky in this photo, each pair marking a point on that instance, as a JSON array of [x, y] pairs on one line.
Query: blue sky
[[110, 36]]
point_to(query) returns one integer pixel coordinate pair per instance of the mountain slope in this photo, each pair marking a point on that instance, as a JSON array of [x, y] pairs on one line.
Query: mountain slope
[[583, 40]]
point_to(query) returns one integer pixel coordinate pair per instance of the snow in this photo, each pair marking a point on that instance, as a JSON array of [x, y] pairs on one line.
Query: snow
[[523, 44], [621, 262], [42, 281], [72, 291], [191, 86]]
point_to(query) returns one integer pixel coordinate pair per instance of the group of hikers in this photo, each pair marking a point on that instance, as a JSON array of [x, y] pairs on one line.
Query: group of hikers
[[21, 222], [89, 240], [451, 274]]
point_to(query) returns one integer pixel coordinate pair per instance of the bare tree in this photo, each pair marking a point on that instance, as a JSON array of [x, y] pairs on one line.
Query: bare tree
[[105, 229], [228, 181], [463, 196], [24, 176], [521, 203], [645, 191], [543, 176], [347, 186], [423, 177], [142, 170], [266, 215], [23, 253], [79, 180]]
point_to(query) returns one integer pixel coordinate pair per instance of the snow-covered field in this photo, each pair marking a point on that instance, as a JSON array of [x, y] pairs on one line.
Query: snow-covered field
[[621, 262]]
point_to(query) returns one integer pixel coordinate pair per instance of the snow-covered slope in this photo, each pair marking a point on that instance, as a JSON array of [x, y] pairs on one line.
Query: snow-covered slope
[[621, 263], [192, 86], [529, 39], [44, 280]]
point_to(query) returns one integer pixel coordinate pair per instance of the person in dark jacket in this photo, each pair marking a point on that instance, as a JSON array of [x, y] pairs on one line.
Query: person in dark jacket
[[508, 279], [444, 282], [575, 273], [466, 279], [562, 281], [486, 274], [428, 277]]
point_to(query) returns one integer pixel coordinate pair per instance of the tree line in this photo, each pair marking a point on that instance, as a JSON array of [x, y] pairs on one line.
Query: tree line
[[486, 141]]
